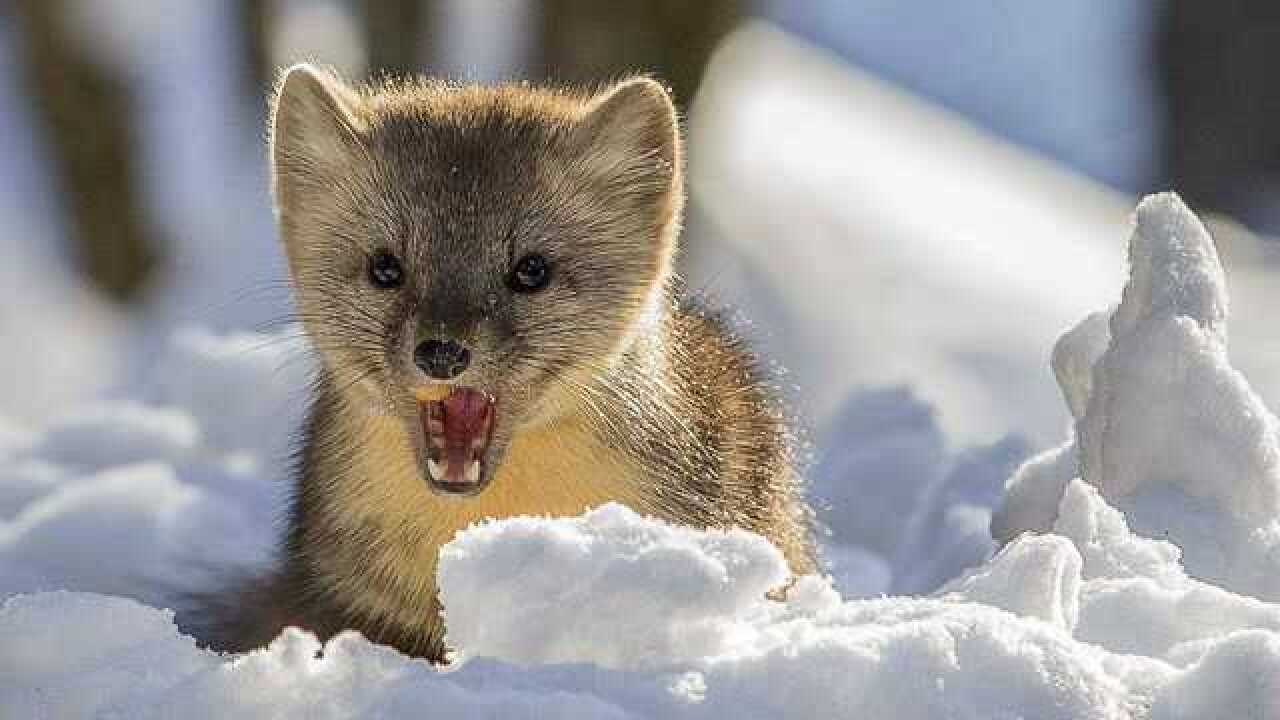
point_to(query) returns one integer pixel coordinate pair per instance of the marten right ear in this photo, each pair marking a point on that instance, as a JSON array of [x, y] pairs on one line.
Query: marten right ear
[[631, 137], [315, 131], [632, 130]]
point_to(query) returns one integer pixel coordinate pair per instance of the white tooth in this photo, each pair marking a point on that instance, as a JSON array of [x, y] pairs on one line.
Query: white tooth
[[433, 467], [473, 472]]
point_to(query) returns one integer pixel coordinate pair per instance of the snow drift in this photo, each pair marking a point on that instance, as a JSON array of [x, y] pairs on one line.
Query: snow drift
[[878, 239], [130, 495], [1166, 429], [1092, 614]]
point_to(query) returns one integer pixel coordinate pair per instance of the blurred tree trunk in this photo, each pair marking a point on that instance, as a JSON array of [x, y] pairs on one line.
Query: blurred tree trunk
[[394, 31], [84, 111], [253, 20], [587, 41], [1216, 64]]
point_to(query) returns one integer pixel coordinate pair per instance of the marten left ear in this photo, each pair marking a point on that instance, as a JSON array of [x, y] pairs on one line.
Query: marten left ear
[[314, 131], [632, 134]]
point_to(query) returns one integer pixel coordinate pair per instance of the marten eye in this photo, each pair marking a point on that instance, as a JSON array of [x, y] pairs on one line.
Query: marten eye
[[531, 273], [385, 271]]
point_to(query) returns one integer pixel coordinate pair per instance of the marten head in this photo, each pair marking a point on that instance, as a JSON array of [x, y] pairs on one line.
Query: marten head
[[472, 259]]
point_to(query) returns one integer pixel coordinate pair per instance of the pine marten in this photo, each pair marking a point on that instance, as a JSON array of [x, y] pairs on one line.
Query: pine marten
[[486, 274]]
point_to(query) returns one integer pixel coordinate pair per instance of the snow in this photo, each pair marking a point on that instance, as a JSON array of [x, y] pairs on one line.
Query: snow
[[1166, 428], [904, 511], [133, 495], [612, 614], [877, 240], [692, 585], [1127, 573]]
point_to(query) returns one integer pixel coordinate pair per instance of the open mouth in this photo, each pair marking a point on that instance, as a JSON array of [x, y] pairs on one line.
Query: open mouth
[[457, 426]]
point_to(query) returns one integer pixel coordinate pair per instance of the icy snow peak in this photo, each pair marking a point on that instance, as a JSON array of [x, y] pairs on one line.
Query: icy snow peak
[[1167, 408], [1166, 429]]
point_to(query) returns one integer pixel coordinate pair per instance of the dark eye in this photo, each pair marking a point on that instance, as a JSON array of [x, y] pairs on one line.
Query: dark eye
[[531, 273], [385, 270]]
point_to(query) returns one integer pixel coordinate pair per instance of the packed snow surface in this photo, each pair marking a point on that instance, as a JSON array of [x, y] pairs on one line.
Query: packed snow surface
[[1143, 588]]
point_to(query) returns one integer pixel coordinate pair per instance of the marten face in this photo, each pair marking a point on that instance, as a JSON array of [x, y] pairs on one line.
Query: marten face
[[471, 260]]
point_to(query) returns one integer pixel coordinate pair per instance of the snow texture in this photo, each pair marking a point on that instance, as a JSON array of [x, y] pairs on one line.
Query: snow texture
[[1091, 614], [1166, 428], [138, 495]]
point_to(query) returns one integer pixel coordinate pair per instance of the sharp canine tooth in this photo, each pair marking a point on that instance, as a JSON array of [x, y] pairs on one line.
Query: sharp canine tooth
[[433, 467], [473, 472]]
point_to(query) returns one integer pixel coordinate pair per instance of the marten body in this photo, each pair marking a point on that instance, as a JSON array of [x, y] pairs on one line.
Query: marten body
[[485, 273]]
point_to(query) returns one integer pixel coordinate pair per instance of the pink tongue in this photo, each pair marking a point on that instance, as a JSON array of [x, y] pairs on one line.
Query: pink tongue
[[464, 415]]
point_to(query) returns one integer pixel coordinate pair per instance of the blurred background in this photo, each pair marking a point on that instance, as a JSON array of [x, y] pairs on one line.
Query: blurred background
[[907, 200]]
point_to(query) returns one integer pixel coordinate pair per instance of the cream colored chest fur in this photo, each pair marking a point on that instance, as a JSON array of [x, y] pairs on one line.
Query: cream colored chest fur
[[555, 470]]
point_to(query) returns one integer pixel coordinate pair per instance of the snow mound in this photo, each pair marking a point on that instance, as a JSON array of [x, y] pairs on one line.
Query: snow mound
[[1166, 428], [623, 616], [562, 578], [1133, 580], [137, 496]]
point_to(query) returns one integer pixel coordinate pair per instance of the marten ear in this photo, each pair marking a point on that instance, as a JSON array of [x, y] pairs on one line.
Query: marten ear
[[632, 133], [315, 130]]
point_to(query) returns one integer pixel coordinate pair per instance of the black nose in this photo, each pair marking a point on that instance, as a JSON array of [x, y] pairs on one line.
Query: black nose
[[442, 359]]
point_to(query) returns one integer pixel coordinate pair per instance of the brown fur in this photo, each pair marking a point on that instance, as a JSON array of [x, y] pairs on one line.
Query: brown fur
[[610, 389]]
